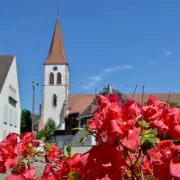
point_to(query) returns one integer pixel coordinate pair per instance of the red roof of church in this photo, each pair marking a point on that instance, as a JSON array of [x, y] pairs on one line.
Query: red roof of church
[[77, 103], [56, 53]]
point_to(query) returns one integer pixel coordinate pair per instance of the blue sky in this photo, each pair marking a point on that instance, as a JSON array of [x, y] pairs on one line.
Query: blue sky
[[120, 42]]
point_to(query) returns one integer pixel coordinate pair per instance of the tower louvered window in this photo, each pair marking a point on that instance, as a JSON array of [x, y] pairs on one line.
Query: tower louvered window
[[58, 78], [51, 79]]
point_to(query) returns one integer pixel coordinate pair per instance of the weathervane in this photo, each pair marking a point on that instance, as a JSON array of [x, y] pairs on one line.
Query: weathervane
[[58, 11]]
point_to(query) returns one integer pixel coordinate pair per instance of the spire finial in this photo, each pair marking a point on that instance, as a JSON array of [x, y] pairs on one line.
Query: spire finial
[[58, 12]]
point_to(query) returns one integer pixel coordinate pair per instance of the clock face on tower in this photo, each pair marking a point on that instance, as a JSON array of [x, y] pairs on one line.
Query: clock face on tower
[[55, 68]]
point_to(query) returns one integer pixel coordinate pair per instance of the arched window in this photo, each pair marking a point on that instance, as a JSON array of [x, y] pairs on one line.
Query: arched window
[[51, 78], [54, 100], [58, 78]]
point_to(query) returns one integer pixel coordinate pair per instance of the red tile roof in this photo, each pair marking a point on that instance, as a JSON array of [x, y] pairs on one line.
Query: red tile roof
[[5, 64], [56, 53], [78, 103], [175, 97]]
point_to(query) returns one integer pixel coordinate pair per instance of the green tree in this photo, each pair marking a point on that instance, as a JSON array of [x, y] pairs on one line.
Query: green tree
[[174, 104], [26, 121], [48, 129]]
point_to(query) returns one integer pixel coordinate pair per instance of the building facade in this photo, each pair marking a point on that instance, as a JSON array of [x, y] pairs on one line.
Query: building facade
[[10, 108]]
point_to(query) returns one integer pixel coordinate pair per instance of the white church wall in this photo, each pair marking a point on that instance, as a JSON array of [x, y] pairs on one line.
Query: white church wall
[[49, 90], [10, 115]]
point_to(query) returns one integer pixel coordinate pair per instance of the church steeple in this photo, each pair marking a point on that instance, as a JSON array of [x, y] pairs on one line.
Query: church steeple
[[56, 81], [56, 53]]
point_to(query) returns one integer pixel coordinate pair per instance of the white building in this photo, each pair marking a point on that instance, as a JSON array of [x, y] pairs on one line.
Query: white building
[[56, 81], [10, 109]]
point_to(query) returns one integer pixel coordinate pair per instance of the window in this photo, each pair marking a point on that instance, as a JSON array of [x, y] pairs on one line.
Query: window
[[58, 78], [15, 119], [54, 100], [12, 101], [12, 92], [5, 115], [11, 117], [51, 79]]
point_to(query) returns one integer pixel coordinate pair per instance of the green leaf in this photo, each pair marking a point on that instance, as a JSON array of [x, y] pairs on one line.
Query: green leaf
[[28, 163], [68, 149], [142, 140], [149, 135], [143, 124], [82, 139], [86, 127], [73, 175], [151, 131], [78, 129], [148, 141]]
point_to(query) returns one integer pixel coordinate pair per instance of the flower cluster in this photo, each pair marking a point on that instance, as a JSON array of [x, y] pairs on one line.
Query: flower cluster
[[133, 142]]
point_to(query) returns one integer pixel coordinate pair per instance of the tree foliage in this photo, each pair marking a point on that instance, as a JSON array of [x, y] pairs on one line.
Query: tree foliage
[[134, 142], [26, 121], [48, 129], [174, 104]]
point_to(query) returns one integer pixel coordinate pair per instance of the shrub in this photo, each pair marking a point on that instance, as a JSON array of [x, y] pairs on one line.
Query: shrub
[[49, 128], [134, 142]]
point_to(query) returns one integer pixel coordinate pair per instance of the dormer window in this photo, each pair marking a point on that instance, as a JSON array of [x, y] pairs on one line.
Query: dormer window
[[59, 78], [54, 100], [51, 79]]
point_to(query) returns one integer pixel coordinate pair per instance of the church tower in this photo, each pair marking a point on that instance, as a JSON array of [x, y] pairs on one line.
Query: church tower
[[56, 80]]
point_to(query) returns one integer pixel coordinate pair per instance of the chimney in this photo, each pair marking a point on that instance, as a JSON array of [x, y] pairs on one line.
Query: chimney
[[109, 89]]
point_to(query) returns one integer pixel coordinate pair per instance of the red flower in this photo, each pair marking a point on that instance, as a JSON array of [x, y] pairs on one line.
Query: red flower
[[75, 164], [28, 174], [175, 162], [103, 162], [113, 122], [160, 157], [48, 172], [156, 113], [147, 166], [53, 154], [131, 110], [25, 146], [8, 158], [113, 98], [36, 143]]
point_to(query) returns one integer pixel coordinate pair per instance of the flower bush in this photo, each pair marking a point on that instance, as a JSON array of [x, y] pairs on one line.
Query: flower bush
[[133, 142]]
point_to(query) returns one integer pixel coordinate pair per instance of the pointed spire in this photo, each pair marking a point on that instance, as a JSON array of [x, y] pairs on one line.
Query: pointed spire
[[56, 53]]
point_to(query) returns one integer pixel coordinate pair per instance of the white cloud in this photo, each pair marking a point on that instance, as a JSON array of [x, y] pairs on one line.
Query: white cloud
[[94, 80], [118, 68], [167, 53], [151, 63]]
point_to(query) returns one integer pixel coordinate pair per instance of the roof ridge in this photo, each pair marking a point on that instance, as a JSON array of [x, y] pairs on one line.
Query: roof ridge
[[5, 64]]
